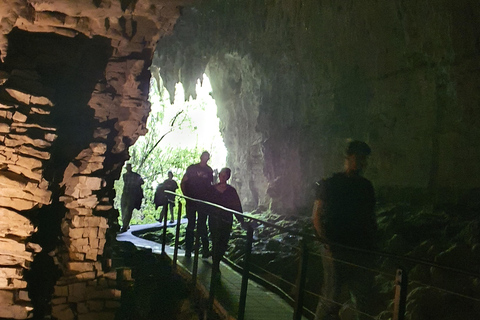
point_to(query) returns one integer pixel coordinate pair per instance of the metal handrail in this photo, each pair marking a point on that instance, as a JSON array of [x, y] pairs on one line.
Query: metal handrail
[[331, 243], [400, 283]]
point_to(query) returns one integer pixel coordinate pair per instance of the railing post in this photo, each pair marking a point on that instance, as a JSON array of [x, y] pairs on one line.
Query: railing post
[[245, 275], [301, 278], [177, 234], [400, 300], [196, 245], [213, 286], [164, 236]]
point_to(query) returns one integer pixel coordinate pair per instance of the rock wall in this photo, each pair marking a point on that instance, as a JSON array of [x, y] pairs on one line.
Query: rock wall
[[73, 97], [294, 80]]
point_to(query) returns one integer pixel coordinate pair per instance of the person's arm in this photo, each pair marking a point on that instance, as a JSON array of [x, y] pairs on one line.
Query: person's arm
[[183, 183], [210, 176], [317, 217], [235, 203], [238, 207]]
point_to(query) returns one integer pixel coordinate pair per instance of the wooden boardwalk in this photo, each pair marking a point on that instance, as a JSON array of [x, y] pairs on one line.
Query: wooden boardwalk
[[261, 304]]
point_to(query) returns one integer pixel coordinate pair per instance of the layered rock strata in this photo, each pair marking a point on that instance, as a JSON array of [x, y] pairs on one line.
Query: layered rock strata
[[60, 151], [25, 142]]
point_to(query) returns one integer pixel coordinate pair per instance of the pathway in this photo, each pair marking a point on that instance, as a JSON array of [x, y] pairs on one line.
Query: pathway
[[261, 304]]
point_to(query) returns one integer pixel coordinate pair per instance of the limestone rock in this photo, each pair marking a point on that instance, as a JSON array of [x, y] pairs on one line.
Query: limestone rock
[[4, 128], [82, 186], [17, 203], [12, 223], [13, 253], [11, 273], [19, 117], [15, 312], [6, 297], [63, 311], [27, 99], [12, 284]]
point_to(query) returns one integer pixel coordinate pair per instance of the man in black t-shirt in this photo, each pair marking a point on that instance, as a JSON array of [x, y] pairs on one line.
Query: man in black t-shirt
[[169, 201], [197, 183], [132, 196], [343, 216]]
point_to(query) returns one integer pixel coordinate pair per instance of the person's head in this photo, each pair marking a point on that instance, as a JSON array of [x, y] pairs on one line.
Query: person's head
[[170, 174], [224, 175], [356, 157], [204, 157], [129, 167]]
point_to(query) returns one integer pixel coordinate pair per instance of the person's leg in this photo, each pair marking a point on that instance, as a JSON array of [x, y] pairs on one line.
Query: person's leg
[[123, 207], [162, 213], [171, 205], [222, 242], [328, 307], [202, 229], [191, 210], [362, 287], [127, 215], [214, 234]]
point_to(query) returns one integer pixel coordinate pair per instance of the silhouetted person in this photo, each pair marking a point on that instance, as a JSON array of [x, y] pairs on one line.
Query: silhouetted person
[[170, 185], [197, 183], [220, 221], [132, 196], [343, 213]]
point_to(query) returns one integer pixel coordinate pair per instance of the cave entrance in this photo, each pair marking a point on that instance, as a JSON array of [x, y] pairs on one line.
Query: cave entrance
[[178, 132], [193, 123]]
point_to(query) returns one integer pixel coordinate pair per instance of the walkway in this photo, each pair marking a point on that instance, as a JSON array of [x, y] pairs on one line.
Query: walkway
[[261, 304]]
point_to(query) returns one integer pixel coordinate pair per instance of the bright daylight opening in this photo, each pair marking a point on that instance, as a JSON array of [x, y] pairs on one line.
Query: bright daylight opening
[[200, 129], [177, 135]]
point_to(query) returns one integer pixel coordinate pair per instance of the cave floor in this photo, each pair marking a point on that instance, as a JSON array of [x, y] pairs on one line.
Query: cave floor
[[261, 304]]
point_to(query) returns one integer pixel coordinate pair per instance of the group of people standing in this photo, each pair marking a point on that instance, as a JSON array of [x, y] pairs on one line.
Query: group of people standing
[[343, 218], [197, 183]]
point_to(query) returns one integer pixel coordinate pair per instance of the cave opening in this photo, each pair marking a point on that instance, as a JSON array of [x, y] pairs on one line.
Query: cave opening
[[179, 130], [199, 128]]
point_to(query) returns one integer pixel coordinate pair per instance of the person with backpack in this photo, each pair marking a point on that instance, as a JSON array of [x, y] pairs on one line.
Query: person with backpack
[[166, 200], [132, 196], [344, 219]]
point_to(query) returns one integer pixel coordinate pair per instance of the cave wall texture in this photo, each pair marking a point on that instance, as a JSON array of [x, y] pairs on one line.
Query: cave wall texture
[[74, 85], [293, 80]]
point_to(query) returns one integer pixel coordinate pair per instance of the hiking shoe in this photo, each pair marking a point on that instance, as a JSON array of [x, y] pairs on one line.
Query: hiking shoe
[[124, 229]]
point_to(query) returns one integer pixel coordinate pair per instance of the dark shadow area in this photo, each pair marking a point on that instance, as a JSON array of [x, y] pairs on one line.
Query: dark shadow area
[[157, 292]]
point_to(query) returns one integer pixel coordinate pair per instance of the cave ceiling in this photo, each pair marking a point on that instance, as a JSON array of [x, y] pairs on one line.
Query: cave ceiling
[[295, 80]]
